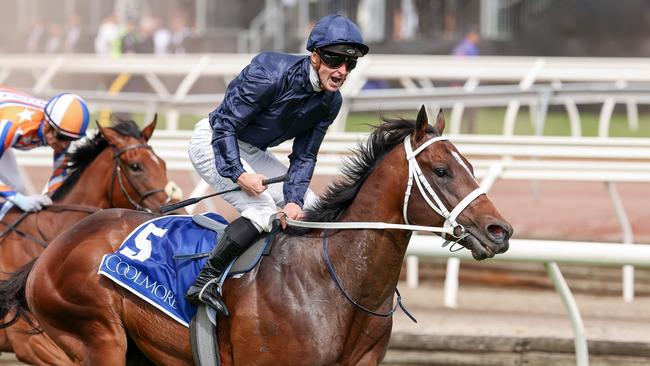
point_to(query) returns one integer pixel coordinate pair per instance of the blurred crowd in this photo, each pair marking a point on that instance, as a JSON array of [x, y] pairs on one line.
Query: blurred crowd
[[170, 29], [113, 37]]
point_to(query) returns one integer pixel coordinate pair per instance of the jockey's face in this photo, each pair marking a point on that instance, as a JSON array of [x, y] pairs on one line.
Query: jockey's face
[[331, 78], [53, 139]]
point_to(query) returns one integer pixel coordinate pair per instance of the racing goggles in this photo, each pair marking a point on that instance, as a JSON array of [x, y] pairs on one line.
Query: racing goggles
[[60, 136], [56, 133], [335, 60]]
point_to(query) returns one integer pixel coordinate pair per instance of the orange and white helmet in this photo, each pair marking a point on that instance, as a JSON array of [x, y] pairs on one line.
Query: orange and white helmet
[[68, 114]]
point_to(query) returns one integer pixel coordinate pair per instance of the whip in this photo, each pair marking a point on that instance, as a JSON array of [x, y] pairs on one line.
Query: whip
[[190, 201]]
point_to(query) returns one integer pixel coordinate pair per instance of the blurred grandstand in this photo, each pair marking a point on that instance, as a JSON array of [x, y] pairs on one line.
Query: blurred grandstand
[[507, 27]]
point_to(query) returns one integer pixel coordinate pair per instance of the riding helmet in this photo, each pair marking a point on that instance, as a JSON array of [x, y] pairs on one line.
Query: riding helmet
[[68, 114], [338, 34]]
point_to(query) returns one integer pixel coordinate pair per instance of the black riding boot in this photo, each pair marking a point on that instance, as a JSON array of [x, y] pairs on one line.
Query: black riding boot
[[238, 236]]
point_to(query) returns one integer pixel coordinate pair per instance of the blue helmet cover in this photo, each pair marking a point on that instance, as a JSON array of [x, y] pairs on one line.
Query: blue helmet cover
[[335, 29]]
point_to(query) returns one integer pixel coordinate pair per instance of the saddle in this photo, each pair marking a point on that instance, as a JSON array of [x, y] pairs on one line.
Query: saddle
[[203, 327], [251, 257]]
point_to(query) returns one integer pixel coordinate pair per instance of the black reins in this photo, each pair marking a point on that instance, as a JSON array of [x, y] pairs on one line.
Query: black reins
[[60, 207], [336, 279], [117, 172], [14, 227]]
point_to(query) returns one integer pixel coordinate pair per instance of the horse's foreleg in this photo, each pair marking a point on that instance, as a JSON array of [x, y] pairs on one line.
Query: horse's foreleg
[[372, 349], [373, 357]]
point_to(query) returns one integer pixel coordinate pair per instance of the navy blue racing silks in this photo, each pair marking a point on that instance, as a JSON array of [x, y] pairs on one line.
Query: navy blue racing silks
[[269, 102]]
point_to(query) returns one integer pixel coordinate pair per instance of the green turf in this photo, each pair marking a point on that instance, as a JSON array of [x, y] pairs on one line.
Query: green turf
[[486, 121]]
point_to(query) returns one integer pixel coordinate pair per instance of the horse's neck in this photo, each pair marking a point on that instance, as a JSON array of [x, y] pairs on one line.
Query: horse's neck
[[373, 258], [94, 183]]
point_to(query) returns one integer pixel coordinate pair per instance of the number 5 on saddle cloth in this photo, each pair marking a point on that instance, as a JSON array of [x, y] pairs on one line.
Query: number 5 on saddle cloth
[[160, 259]]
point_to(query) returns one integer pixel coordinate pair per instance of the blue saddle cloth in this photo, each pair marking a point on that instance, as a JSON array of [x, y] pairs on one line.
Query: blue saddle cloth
[[145, 265]]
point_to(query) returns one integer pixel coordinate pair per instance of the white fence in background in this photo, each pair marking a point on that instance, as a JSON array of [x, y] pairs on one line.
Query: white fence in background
[[172, 83]]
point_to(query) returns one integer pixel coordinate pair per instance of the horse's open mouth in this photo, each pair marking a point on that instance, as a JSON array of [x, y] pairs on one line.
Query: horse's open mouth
[[481, 249]]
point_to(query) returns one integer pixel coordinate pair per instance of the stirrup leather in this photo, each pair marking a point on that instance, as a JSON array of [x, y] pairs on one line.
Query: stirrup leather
[[215, 279]]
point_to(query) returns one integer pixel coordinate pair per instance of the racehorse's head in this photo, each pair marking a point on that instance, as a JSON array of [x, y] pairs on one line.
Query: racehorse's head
[[140, 175], [444, 191]]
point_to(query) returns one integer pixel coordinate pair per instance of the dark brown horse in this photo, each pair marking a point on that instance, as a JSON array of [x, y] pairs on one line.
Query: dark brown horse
[[288, 311], [115, 168]]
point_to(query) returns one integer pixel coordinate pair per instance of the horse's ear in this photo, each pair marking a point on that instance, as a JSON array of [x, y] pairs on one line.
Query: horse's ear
[[440, 123], [148, 130], [421, 124], [111, 136]]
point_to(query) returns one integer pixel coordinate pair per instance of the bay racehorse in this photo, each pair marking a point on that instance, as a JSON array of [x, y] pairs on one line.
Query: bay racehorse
[[287, 311], [115, 168]]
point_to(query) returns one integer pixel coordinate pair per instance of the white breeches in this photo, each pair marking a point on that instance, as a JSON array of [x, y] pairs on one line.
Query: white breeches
[[259, 209]]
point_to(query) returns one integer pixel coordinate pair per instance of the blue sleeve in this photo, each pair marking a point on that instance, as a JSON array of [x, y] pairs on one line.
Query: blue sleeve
[[248, 94], [302, 160]]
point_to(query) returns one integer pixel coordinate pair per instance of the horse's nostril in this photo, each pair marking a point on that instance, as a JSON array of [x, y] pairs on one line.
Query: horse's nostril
[[498, 233]]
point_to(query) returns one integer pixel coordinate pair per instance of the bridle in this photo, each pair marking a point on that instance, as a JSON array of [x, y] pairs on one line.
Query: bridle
[[117, 172], [415, 174]]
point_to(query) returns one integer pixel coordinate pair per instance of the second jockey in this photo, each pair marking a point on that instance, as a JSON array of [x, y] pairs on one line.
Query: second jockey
[[277, 97], [26, 123]]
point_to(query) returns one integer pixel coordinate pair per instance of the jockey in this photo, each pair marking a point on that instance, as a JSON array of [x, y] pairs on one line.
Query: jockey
[[277, 97], [27, 123]]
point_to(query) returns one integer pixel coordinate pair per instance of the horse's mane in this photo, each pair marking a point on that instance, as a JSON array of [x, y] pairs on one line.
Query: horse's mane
[[84, 154], [356, 169]]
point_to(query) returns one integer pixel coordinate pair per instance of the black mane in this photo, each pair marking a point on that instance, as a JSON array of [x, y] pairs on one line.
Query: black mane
[[357, 168], [84, 154]]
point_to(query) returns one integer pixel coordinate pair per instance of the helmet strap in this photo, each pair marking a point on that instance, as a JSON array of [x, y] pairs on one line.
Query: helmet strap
[[314, 78]]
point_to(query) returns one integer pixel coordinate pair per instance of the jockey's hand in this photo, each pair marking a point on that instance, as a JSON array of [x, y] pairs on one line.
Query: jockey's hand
[[30, 203], [292, 211], [251, 183]]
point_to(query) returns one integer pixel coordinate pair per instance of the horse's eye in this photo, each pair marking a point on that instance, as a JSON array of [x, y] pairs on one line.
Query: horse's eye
[[135, 167], [440, 172]]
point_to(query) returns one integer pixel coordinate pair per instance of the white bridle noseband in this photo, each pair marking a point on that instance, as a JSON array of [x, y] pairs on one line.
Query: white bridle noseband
[[415, 174]]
